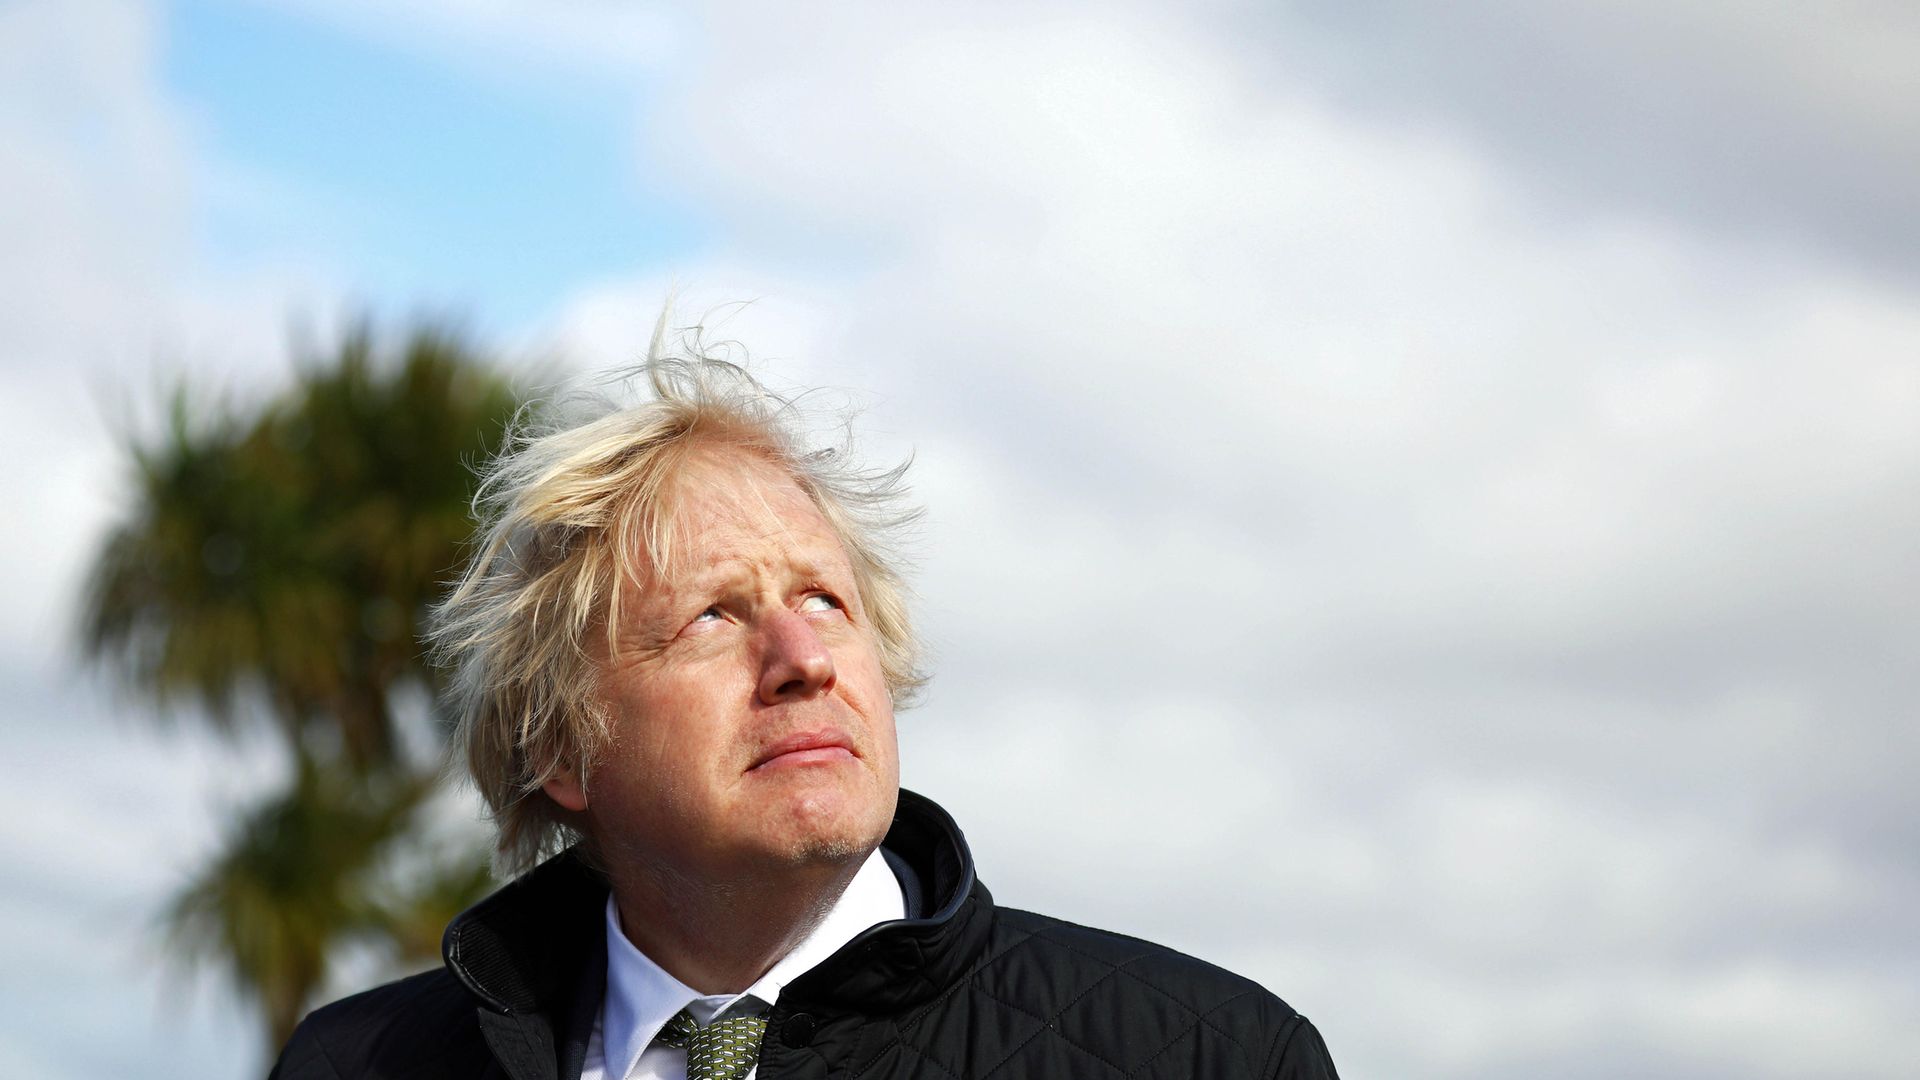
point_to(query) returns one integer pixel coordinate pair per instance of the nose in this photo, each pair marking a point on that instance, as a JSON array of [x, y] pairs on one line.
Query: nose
[[794, 664]]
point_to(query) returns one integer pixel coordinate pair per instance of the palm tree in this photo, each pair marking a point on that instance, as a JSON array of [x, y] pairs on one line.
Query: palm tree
[[275, 566], [296, 879], [286, 561], [389, 456], [205, 591]]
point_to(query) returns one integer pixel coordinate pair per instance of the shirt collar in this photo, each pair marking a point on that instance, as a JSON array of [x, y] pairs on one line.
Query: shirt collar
[[641, 996]]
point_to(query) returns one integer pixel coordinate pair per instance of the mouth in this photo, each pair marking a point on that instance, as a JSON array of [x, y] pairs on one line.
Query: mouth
[[823, 747]]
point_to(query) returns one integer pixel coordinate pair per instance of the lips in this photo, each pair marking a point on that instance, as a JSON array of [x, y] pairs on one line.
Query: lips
[[806, 747]]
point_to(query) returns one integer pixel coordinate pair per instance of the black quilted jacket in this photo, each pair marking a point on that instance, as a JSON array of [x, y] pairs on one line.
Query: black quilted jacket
[[962, 989]]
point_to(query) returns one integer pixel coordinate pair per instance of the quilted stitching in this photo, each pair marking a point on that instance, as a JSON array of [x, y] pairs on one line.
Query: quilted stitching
[[1280, 1040], [1200, 1017], [1195, 1020], [1051, 1024], [923, 1056], [937, 1003], [1033, 949]]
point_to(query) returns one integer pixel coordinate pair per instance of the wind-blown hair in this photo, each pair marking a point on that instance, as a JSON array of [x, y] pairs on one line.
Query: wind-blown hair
[[577, 503]]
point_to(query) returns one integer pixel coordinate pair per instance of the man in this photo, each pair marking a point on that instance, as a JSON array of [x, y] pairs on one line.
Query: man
[[677, 652]]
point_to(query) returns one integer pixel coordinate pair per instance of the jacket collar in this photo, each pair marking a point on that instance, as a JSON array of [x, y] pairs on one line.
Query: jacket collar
[[537, 947], [897, 965], [534, 954], [523, 945]]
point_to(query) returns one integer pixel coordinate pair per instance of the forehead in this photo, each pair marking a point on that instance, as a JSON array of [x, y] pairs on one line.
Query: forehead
[[729, 506]]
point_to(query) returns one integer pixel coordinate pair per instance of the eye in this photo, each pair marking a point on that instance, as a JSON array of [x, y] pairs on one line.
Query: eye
[[819, 602], [705, 619]]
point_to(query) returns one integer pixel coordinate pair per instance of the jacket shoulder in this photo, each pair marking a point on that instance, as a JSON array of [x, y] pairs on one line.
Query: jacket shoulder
[[420, 1026], [1137, 1006]]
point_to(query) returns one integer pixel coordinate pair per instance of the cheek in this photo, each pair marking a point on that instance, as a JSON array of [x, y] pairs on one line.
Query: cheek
[[889, 748], [874, 700], [858, 666], [674, 700], [658, 731]]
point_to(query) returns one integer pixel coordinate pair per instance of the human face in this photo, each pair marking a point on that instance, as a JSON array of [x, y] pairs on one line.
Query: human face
[[752, 727]]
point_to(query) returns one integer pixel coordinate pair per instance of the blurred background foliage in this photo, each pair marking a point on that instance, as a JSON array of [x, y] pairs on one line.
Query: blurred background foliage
[[275, 566]]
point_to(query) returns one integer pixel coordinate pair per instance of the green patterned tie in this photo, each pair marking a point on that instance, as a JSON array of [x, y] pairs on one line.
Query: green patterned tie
[[723, 1050]]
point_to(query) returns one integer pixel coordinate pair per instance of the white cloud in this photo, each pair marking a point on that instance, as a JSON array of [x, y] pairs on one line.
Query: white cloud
[[109, 300], [1725, 120], [517, 41], [95, 172]]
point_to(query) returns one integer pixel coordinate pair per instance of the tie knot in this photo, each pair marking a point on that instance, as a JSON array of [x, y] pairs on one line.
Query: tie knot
[[723, 1050]]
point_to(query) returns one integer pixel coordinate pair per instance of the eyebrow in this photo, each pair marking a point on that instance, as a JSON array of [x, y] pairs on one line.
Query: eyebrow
[[709, 578]]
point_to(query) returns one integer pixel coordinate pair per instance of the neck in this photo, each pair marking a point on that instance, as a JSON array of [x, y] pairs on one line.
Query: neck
[[718, 937]]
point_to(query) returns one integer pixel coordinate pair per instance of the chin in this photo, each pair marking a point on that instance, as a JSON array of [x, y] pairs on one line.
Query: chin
[[837, 827], [837, 849]]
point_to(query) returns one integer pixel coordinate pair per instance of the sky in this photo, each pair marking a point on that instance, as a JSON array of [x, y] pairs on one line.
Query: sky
[[1422, 498]]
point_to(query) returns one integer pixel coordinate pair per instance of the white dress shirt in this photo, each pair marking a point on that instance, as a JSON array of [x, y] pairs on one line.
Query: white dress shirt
[[641, 997]]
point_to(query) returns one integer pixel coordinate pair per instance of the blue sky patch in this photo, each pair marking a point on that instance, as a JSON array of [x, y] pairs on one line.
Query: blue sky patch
[[423, 183]]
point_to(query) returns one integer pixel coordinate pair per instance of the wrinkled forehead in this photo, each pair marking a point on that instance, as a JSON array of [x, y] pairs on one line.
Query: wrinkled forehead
[[722, 500]]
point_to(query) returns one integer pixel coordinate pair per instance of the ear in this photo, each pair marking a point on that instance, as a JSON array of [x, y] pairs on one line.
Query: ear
[[566, 790]]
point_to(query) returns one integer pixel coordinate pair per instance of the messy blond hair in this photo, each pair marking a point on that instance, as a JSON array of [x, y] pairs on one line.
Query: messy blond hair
[[576, 505]]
